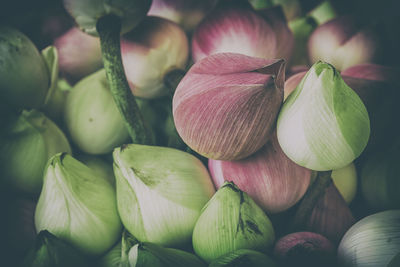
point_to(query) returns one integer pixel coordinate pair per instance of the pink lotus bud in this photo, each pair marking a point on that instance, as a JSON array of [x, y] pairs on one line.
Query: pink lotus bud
[[343, 43], [269, 177], [263, 34], [305, 249], [149, 51], [79, 54], [186, 13], [226, 105]]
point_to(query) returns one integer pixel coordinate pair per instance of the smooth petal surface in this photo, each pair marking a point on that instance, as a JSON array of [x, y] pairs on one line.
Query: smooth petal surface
[[235, 30], [160, 192], [149, 51], [226, 105], [77, 206], [323, 124], [269, 177]]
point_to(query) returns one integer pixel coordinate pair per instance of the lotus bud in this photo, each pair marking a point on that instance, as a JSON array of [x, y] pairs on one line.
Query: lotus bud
[[186, 13], [25, 147], [372, 241], [94, 123], [225, 107], [231, 220], [244, 258], [380, 182], [101, 167], [78, 206], [79, 54], [148, 254], [345, 180], [50, 251], [343, 43], [330, 121], [24, 78], [160, 192], [269, 177], [151, 50], [262, 34], [305, 249], [331, 216], [87, 12]]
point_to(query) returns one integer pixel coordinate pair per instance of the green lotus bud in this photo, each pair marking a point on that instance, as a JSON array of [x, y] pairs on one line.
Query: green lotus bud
[[323, 124], [147, 254], [243, 258], [49, 251], [88, 12], [25, 147], [77, 206], [231, 220], [94, 123], [160, 192], [24, 78]]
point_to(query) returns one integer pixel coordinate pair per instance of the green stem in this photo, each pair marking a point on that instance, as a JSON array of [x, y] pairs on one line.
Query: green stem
[[109, 29], [314, 192]]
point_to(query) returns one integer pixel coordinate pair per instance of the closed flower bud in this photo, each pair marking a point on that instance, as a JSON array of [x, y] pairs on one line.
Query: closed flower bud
[[149, 52], [79, 54], [24, 77], [263, 34], [160, 192], [25, 147], [94, 123], [231, 220], [50, 251], [323, 124], [269, 177], [343, 43], [226, 105], [87, 12], [148, 254], [186, 13], [78, 206]]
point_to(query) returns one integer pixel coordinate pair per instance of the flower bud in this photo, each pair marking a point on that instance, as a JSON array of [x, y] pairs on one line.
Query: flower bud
[[305, 249], [50, 251], [94, 123], [269, 177], [242, 30], [343, 43], [79, 54], [25, 147], [87, 12], [231, 220], [149, 51], [160, 192], [186, 13], [77, 206], [24, 78], [148, 254], [323, 124], [243, 258], [226, 105]]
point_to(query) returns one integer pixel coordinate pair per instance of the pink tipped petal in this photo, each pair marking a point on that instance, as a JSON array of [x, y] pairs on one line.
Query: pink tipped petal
[[373, 72], [237, 31], [292, 82]]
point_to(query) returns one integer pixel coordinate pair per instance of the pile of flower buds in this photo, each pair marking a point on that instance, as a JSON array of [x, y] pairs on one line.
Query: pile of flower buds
[[198, 133]]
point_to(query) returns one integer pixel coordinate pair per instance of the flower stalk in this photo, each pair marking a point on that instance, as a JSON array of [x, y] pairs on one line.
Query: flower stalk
[[109, 28]]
